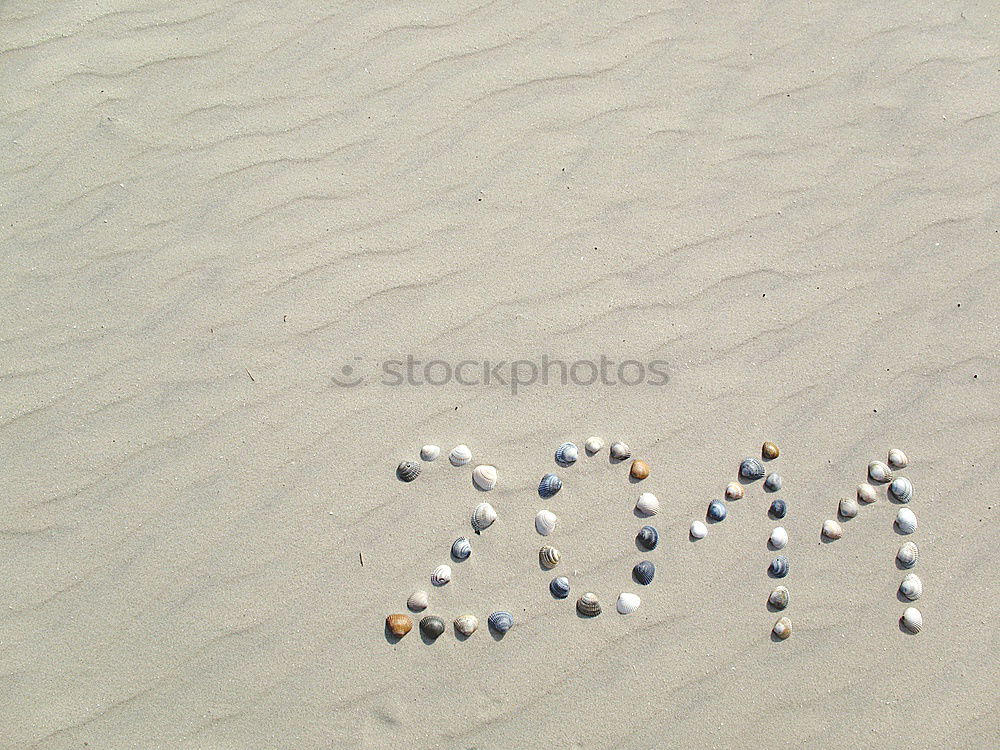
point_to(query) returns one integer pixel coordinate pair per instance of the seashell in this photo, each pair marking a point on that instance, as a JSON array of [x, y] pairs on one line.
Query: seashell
[[779, 567], [460, 455], [466, 624], [418, 601], [399, 625], [779, 537], [783, 628], [501, 621], [567, 454], [717, 510], [897, 459], [848, 507], [906, 520], [628, 603], [912, 620], [778, 508], [548, 556], [832, 529], [879, 472], [648, 537], [432, 626], [483, 516], [485, 477], [408, 470], [698, 530], [545, 522], [441, 575], [549, 485], [559, 586], [778, 598], [769, 451], [588, 606], [901, 489], [461, 548], [620, 451], [647, 504], [643, 572], [639, 469], [752, 469], [430, 452], [773, 482], [593, 445], [908, 554], [734, 491], [867, 493], [911, 586]]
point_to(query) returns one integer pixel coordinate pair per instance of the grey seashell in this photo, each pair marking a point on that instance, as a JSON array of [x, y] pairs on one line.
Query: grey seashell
[[466, 624], [548, 556], [717, 510], [549, 485], [848, 507], [778, 508], [779, 567], [408, 470], [461, 548], [779, 538], [441, 575], [911, 587], [778, 598], [627, 603], [647, 504], [897, 459], [783, 628], [906, 521], [485, 477], [418, 601], [773, 482], [588, 606], [698, 530], [867, 493], [501, 621], [901, 489], [620, 451], [648, 537], [460, 455], [879, 472], [430, 452], [643, 572], [432, 626], [593, 445], [908, 554], [734, 491], [832, 529], [752, 469], [566, 454], [912, 620], [559, 586], [545, 522], [483, 516]]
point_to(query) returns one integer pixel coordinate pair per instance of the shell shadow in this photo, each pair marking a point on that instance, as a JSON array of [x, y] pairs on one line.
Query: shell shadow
[[497, 635], [461, 637], [895, 527], [903, 629], [476, 487], [825, 539], [639, 514], [900, 566], [390, 637], [428, 641], [772, 608], [901, 598], [772, 574], [712, 521], [692, 538], [775, 638], [634, 480], [771, 547]]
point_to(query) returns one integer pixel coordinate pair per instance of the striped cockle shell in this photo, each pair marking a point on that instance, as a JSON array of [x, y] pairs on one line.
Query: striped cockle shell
[[908, 554], [752, 469], [901, 489], [485, 477], [460, 455], [773, 482], [848, 507], [648, 537], [549, 485], [418, 601], [647, 504], [911, 587], [717, 511], [643, 572], [432, 626], [566, 454], [559, 586], [628, 603], [832, 529], [461, 548], [588, 606], [620, 451], [879, 472], [778, 508], [734, 491], [912, 620], [466, 624], [545, 522], [778, 567], [483, 516], [548, 556], [430, 452], [408, 470], [779, 537], [778, 597], [906, 521], [399, 625], [698, 530], [867, 493], [639, 469], [441, 575], [501, 621], [769, 451], [783, 628], [593, 444], [897, 459]]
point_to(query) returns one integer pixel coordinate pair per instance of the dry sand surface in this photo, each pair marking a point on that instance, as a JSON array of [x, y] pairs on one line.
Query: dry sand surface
[[209, 209]]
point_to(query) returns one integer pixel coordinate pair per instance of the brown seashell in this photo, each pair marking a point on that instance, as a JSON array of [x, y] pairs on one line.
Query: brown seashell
[[639, 470], [734, 491], [399, 625], [769, 451]]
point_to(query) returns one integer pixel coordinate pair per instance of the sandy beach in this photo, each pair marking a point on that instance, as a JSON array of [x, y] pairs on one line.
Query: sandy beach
[[257, 254]]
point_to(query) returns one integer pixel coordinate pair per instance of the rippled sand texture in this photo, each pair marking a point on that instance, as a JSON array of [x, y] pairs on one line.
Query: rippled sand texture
[[207, 209]]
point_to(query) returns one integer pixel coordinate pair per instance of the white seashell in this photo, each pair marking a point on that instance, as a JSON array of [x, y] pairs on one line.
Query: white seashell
[[460, 455], [734, 491], [620, 451], [779, 538], [628, 603], [466, 624], [901, 489], [430, 452], [848, 507], [912, 620], [593, 445], [897, 459], [545, 522], [908, 554], [418, 601], [441, 575], [485, 477], [483, 516], [783, 628], [698, 530], [879, 472], [906, 520], [911, 587], [867, 493], [647, 504], [832, 529]]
